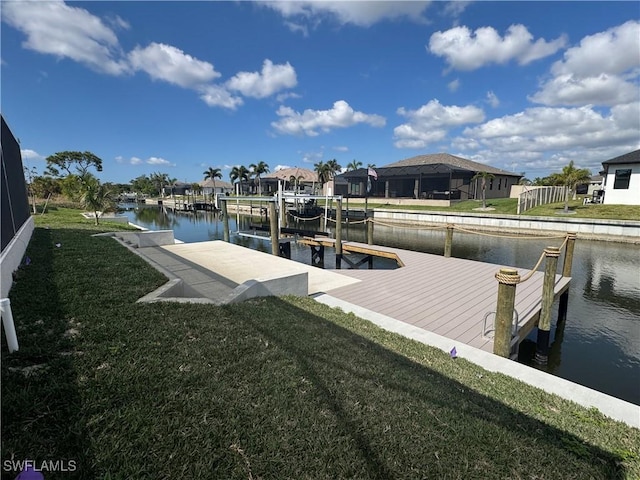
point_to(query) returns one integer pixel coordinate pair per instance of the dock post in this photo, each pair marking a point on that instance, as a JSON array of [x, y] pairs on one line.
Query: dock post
[[448, 241], [225, 218], [544, 324], [369, 230], [338, 233], [568, 255], [283, 212], [273, 223], [566, 272], [507, 278]]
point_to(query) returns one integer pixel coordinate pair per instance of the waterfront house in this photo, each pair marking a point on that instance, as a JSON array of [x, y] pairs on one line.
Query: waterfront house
[[295, 178], [622, 179], [220, 187], [438, 176]]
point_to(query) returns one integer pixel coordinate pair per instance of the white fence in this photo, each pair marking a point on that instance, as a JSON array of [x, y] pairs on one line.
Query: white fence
[[541, 196]]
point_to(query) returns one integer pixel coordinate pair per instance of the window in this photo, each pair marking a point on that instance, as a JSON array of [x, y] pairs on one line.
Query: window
[[623, 177], [491, 184], [499, 184]]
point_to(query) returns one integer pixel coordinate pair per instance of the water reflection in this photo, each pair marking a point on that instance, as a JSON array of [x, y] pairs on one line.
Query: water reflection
[[598, 345]]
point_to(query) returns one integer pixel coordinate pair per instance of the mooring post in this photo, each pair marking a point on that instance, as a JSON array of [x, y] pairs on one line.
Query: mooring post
[[563, 304], [369, 230], [544, 324], [568, 255], [273, 223], [225, 219], [283, 212], [448, 241], [507, 278], [338, 233]]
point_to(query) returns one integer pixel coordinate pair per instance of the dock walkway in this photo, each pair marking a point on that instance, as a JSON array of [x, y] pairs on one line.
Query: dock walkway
[[447, 296]]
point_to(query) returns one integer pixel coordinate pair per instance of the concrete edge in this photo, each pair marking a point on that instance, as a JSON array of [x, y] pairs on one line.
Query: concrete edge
[[294, 284], [174, 285], [610, 406]]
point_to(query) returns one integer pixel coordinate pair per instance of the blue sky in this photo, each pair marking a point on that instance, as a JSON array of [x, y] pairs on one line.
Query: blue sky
[[177, 87]]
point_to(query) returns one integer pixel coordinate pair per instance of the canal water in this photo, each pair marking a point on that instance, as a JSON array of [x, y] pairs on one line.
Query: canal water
[[599, 344]]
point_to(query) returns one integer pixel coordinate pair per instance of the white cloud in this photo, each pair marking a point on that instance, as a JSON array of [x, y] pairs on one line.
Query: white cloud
[[492, 99], [159, 161], [360, 13], [67, 32], [466, 50], [455, 8], [430, 123], [310, 122], [170, 64], [28, 154], [217, 96], [281, 97], [341, 149], [280, 167], [262, 84], [545, 129], [454, 85], [614, 51], [571, 90], [135, 161], [602, 70]]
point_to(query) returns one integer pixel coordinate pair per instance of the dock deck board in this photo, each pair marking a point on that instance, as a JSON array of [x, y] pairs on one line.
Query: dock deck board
[[447, 296]]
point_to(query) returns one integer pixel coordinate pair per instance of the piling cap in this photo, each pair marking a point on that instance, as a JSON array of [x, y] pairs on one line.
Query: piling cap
[[508, 276], [552, 251]]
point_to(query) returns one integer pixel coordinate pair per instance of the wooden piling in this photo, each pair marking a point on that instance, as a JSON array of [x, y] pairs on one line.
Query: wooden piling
[[568, 255], [273, 223], [448, 241], [544, 324], [283, 212], [225, 219], [338, 233], [369, 230], [507, 278]]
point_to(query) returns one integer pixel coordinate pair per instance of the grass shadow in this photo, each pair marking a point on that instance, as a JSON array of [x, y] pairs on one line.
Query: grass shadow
[[41, 405]]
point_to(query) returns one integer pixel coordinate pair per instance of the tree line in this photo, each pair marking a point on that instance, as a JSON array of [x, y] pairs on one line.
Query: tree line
[[69, 173]]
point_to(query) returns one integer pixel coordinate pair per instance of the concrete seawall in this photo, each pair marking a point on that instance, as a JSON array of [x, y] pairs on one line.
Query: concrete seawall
[[627, 231]]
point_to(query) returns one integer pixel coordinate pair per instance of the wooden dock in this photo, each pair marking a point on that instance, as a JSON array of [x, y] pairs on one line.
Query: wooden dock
[[447, 296]]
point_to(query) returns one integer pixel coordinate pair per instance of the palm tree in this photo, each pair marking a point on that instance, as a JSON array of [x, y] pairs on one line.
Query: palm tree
[[239, 173], [334, 167], [323, 171], [371, 165], [159, 181], [97, 198], [258, 170], [483, 176], [212, 173], [354, 165], [571, 177], [172, 182]]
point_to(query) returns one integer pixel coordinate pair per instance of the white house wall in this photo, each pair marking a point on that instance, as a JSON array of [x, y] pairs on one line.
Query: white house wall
[[629, 196]]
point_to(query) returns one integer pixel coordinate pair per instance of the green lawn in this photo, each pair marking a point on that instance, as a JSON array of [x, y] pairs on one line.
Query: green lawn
[[509, 206], [273, 388]]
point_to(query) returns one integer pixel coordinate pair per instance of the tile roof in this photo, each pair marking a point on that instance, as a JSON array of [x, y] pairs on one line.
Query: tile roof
[[304, 174], [452, 160]]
